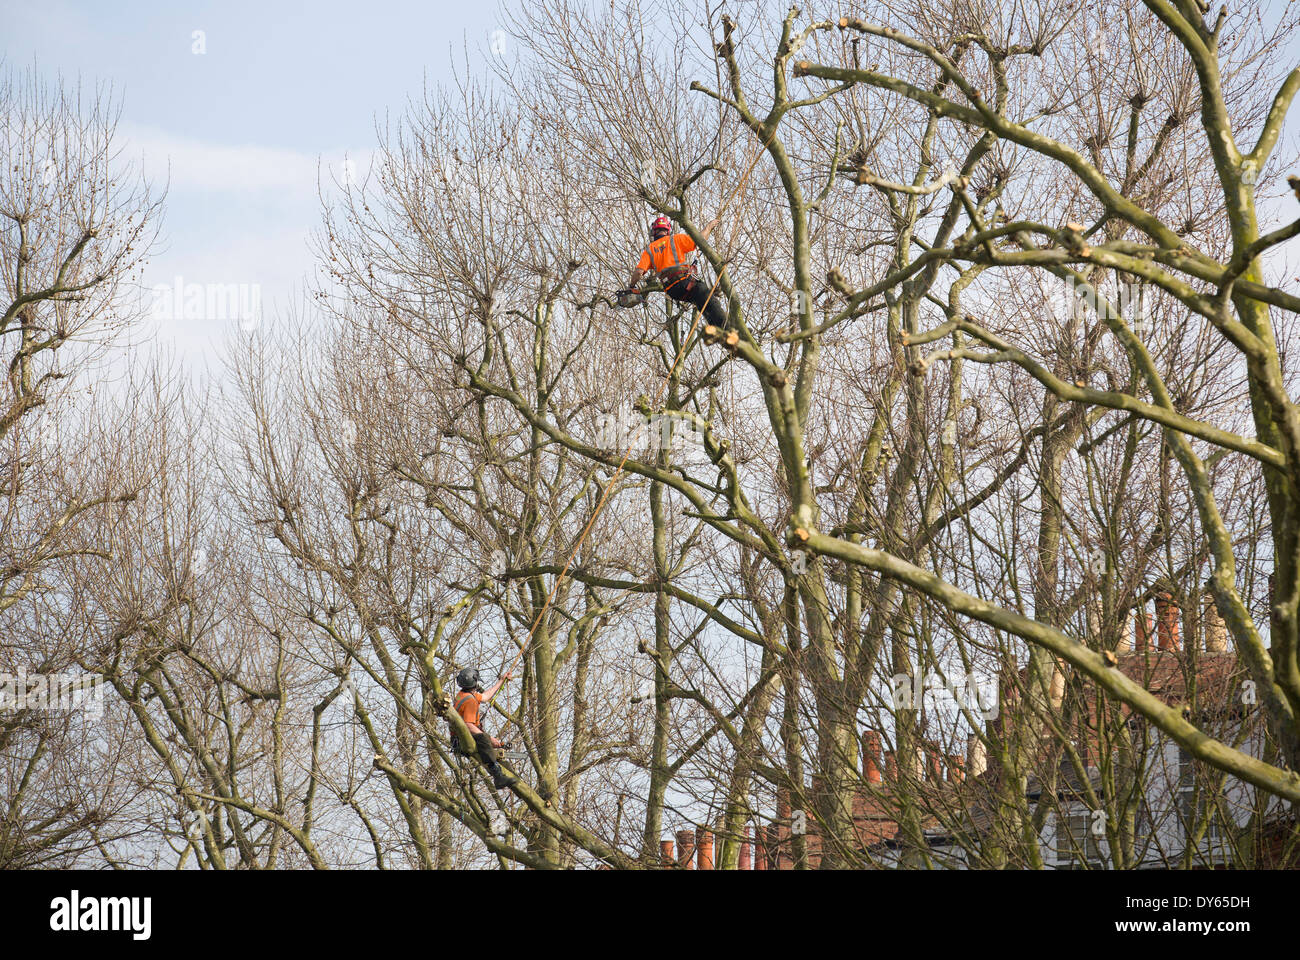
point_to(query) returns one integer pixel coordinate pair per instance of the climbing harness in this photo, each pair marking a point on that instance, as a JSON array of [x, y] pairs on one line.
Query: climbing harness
[[670, 274]]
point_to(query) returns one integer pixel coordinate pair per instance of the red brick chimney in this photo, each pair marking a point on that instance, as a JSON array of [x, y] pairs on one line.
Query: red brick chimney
[[666, 853], [871, 756], [744, 861], [685, 848], [779, 857], [956, 768], [1167, 621], [935, 765], [760, 848], [778, 833], [703, 848], [1143, 628]]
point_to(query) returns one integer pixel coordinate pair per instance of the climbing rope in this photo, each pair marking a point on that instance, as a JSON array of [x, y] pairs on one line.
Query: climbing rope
[[681, 352]]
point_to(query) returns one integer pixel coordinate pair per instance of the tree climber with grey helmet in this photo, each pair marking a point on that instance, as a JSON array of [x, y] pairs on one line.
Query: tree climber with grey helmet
[[468, 704]]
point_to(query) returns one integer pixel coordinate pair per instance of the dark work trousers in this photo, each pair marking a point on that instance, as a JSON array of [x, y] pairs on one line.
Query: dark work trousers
[[488, 754], [696, 293]]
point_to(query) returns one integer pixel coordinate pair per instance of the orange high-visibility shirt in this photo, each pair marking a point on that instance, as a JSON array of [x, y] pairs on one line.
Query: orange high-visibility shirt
[[467, 705], [666, 252]]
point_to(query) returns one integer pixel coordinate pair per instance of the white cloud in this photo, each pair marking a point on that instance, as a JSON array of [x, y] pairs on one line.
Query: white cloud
[[202, 165]]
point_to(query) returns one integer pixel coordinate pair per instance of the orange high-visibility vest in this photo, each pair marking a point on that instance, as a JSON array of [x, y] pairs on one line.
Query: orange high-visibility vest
[[667, 256]]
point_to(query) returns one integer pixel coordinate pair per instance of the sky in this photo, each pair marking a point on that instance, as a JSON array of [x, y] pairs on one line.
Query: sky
[[235, 107], [238, 108]]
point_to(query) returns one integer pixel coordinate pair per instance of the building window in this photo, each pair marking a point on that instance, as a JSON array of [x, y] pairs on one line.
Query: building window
[[1075, 839]]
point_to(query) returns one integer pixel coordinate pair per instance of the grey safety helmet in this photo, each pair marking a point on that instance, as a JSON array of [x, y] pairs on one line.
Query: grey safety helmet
[[468, 679]]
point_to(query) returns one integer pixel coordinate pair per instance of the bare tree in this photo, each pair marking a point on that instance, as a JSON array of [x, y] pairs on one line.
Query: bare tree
[[77, 224]]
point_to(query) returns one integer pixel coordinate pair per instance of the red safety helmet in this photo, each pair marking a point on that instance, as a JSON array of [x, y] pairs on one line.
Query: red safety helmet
[[660, 226]]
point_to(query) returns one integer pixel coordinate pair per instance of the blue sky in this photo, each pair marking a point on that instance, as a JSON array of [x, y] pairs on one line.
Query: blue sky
[[240, 127]]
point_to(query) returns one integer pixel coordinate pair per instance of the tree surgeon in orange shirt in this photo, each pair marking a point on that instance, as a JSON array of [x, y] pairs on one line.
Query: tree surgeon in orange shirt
[[468, 704], [666, 255]]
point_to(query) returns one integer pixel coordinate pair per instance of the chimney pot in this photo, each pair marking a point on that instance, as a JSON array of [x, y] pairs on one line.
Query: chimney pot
[[782, 804], [1216, 631], [956, 768], [665, 853], [703, 848], [1167, 621], [976, 755], [1092, 614], [779, 857], [915, 765], [1144, 628], [935, 764], [685, 848], [871, 756], [1125, 635]]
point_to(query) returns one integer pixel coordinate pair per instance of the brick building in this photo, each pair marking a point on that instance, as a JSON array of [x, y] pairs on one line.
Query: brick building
[[1186, 814]]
